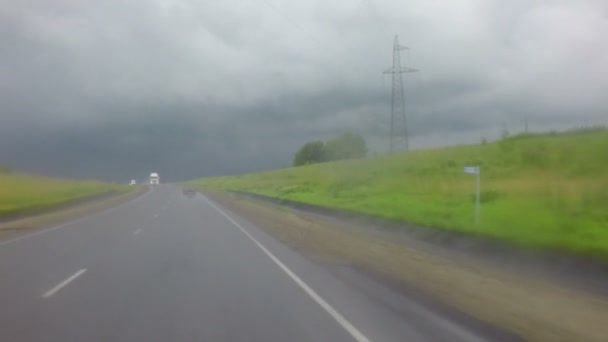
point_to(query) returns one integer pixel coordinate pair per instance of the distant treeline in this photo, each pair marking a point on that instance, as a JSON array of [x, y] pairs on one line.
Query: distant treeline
[[345, 146], [571, 131]]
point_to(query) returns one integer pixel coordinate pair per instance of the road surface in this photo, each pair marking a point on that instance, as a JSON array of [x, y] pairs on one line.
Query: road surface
[[171, 267]]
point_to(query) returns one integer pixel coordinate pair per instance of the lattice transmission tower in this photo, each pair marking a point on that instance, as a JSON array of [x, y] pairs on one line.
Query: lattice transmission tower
[[398, 134]]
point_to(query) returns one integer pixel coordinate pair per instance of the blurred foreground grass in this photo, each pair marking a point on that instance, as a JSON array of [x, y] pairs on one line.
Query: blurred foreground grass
[[538, 190]]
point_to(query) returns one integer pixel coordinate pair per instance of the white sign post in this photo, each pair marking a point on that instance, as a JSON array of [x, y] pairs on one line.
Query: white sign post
[[475, 170]]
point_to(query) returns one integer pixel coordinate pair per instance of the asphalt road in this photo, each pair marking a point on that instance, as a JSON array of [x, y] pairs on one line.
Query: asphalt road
[[171, 267]]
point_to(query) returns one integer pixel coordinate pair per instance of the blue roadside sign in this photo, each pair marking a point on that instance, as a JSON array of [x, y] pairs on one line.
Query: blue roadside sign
[[471, 169]]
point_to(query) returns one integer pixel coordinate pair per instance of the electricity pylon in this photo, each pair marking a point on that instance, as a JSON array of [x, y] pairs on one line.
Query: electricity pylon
[[398, 135]]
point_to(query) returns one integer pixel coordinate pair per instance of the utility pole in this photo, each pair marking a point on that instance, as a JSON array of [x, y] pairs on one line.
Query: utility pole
[[398, 134]]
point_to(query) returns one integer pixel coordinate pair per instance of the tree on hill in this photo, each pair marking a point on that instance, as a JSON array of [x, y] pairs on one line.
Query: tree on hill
[[6, 169], [312, 152], [345, 146]]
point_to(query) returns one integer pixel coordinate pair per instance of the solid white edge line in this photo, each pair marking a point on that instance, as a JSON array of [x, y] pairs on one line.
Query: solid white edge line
[[351, 329], [50, 229], [63, 284]]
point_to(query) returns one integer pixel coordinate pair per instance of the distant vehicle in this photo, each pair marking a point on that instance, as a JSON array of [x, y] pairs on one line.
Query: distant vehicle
[[154, 180], [189, 192], [133, 182]]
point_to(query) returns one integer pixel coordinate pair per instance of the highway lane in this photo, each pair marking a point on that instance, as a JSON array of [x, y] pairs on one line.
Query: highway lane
[[171, 267]]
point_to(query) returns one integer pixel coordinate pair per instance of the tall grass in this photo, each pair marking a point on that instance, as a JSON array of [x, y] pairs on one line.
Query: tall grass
[[547, 190], [21, 193]]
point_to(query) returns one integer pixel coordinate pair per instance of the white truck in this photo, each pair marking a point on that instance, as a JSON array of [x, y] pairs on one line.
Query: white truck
[[154, 180]]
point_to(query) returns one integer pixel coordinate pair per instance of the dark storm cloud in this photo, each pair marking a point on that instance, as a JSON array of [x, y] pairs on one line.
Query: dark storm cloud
[[115, 89]]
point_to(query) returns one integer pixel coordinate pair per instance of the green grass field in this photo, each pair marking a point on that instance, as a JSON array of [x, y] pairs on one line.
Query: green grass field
[[541, 191], [24, 193]]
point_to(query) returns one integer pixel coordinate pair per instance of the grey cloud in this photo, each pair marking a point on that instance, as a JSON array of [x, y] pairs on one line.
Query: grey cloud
[[114, 89]]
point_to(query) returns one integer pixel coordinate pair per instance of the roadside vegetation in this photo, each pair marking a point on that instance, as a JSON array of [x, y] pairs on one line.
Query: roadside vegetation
[[538, 190], [23, 194]]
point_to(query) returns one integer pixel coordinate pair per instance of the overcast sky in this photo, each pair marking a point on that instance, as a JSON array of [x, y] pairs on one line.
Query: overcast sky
[[117, 89]]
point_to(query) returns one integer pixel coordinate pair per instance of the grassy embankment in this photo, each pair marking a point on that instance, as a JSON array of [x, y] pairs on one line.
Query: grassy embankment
[[23, 194], [540, 191]]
